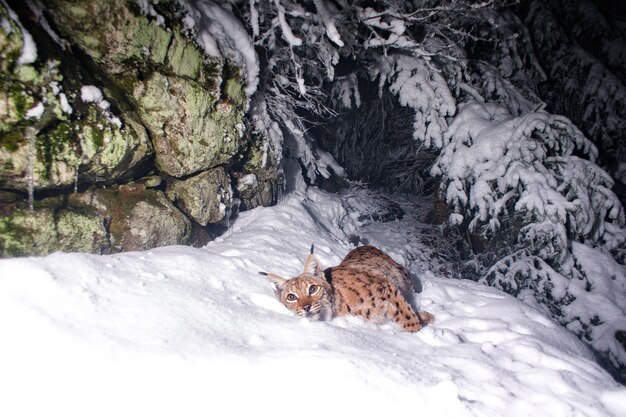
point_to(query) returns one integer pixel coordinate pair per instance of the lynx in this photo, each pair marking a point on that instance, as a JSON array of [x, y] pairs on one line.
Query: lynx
[[367, 283]]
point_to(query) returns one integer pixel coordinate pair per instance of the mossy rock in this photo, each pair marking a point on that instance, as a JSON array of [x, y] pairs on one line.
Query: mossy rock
[[260, 181], [11, 41], [116, 40], [176, 90], [92, 148], [138, 218], [190, 130], [184, 59], [45, 229], [22, 86], [206, 197]]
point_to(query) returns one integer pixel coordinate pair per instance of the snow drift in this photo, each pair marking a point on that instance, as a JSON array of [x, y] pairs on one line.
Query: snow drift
[[185, 331]]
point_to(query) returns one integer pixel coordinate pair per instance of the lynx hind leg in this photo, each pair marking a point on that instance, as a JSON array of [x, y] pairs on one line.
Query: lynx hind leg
[[401, 312]]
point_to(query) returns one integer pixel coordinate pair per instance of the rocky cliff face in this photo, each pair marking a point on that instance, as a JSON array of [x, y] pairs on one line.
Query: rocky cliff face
[[117, 132]]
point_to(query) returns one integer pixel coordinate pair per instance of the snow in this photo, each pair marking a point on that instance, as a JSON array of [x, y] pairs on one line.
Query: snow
[[606, 278], [35, 112], [148, 10], [291, 39], [90, 94], [254, 18], [186, 331], [246, 182], [65, 105], [220, 33], [329, 24], [29, 49], [420, 87], [496, 166]]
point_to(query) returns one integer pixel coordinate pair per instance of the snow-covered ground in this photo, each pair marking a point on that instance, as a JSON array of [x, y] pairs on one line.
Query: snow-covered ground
[[180, 331]]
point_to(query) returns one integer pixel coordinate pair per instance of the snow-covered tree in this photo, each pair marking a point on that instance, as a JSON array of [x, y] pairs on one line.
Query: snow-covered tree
[[584, 57], [527, 189]]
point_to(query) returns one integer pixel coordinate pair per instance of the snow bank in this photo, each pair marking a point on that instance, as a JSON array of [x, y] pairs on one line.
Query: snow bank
[[185, 331]]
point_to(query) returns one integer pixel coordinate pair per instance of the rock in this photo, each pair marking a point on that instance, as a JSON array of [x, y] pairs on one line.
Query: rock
[[174, 88], [45, 230], [72, 137], [206, 197], [157, 105], [254, 192], [93, 148], [14, 99], [260, 181], [115, 36], [152, 181], [97, 221], [190, 131], [138, 218]]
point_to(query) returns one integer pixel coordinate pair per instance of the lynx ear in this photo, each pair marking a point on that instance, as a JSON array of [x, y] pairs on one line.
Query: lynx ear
[[277, 282], [312, 266]]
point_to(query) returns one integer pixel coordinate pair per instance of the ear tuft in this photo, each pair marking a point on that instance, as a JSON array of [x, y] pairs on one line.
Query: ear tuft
[[277, 282], [312, 266]]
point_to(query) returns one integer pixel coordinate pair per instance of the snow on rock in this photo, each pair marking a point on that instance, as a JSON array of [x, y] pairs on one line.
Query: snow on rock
[[220, 33], [92, 94], [29, 48], [148, 10], [65, 104], [36, 112], [185, 331]]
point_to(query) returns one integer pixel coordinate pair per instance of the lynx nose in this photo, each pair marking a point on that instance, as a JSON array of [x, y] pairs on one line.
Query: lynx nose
[[306, 307]]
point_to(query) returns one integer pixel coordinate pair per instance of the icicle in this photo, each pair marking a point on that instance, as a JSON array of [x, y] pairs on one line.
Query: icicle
[[76, 180], [31, 134]]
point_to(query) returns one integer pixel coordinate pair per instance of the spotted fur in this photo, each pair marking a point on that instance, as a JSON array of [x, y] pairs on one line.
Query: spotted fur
[[367, 283]]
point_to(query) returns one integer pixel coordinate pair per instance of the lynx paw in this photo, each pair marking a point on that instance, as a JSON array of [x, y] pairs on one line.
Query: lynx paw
[[425, 318]]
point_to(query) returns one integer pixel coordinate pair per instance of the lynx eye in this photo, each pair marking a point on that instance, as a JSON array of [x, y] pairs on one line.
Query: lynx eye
[[291, 297], [313, 289]]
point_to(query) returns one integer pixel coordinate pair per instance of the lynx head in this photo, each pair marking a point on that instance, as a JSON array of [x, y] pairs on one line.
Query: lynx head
[[309, 294]]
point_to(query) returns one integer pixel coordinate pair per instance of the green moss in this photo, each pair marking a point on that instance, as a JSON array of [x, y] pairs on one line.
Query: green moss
[[28, 74], [26, 232], [51, 227], [81, 229], [10, 42], [140, 218], [78, 11], [11, 141], [11, 236], [184, 58], [55, 148], [147, 37], [97, 136], [235, 92], [11, 58], [122, 40], [21, 101]]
